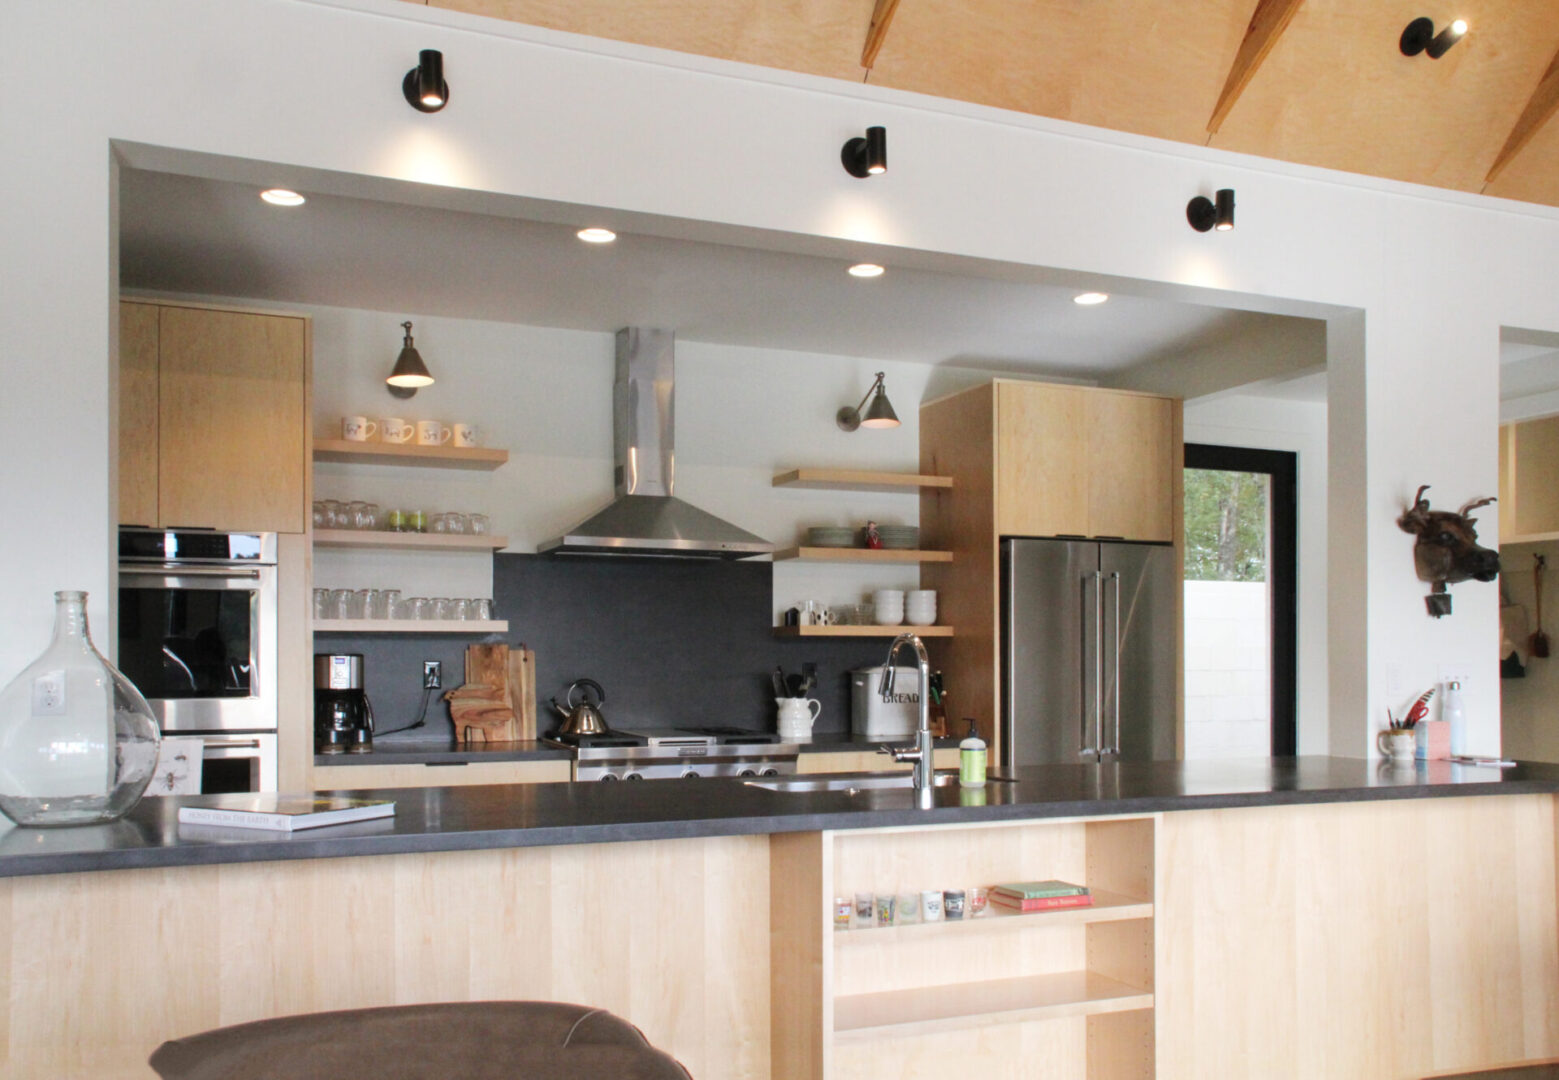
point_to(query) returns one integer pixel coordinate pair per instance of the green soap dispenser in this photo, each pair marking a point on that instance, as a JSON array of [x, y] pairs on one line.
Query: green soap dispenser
[[971, 759]]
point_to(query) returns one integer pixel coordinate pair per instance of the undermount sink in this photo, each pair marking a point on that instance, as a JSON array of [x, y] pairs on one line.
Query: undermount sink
[[852, 782]]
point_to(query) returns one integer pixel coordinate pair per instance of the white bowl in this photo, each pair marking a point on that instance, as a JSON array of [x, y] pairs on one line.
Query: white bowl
[[886, 617], [888, 596]]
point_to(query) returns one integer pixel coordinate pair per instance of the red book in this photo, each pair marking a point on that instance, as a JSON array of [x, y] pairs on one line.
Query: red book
[[1042, 903]]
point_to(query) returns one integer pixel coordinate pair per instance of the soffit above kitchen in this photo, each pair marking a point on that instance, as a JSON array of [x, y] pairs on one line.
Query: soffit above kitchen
[[192, 235], [1320, 82]]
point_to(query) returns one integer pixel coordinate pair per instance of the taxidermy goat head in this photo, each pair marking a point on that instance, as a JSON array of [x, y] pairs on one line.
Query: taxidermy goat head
[[1447, 550]]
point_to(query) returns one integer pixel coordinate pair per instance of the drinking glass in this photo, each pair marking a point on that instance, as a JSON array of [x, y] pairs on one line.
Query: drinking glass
[[457, 523], [357, 515], [374, 608], [340, 602], [389, 604], [462, 609], [482, 609], [321, 517], [438, 523], [417, 607], [481, 524], [443, 608], [357, 606], [395, 520], [368, 517], [335, 514], [322, 603], [415, 520]]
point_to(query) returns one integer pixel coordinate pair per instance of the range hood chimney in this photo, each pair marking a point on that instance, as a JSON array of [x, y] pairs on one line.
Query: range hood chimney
[[646, 518]]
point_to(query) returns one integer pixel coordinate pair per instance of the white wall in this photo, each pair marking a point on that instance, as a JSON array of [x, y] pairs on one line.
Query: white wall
[[1228, 669], [1298, 427], [1414, 311]]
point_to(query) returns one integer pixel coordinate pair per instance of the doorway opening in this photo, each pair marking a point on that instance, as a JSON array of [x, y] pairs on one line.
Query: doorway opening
[[1241, 622]]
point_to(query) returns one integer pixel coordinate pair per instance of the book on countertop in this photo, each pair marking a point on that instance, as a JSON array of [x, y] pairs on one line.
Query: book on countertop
[[283, 813], [1034, 890], [1042, 903]]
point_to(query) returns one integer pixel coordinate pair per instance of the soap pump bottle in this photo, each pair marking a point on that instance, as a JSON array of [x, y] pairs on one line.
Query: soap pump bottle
[[971, 759]]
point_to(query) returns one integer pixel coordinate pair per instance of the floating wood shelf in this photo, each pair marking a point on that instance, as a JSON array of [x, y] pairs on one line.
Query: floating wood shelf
[[370, 538], [1106, 907], [961, 1006], [862, 555], [411, 626], [444, 457], [861, 631], [859, 480]]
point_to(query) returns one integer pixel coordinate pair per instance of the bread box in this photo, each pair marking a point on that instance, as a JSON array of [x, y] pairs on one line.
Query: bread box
[[877, 719]]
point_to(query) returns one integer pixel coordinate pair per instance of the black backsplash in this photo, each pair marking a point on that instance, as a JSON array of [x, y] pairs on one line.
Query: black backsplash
[[675, 642]]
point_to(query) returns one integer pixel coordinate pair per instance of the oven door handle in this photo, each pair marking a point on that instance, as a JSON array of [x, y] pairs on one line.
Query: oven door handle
[[231, 744], [140, 570]]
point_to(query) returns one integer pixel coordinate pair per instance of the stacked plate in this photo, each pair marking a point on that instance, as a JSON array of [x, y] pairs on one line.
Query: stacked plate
[[829, 536], [899, 537]]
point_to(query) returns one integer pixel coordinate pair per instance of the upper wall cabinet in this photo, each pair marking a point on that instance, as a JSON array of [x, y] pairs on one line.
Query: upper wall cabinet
[[213, 418], [1077, 461], [1529, 481]]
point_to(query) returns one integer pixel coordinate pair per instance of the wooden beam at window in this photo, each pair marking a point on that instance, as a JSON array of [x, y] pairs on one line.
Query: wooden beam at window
[[1541, 106], [882, 16], [1266, 26]]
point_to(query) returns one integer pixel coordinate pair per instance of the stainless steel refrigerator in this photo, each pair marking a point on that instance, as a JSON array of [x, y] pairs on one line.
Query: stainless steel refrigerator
[[1089, 651]]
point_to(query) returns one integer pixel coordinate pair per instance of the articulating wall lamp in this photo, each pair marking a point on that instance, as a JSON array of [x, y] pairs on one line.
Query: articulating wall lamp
[[879, 414], [1419, 37], [868, 155], [424, 85], [1204, 214], [410, 372]]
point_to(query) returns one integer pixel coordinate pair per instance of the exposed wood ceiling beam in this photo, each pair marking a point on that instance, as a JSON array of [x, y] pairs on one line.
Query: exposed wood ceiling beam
[[1541, 106], [1266, 26], [882, 16]]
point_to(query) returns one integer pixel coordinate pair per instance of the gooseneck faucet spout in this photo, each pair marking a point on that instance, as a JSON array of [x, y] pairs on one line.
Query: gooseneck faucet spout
[[921, 753]]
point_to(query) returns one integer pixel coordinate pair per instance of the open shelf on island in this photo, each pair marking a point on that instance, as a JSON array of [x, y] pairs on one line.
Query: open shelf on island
[[411, 626], [1106, 907], [374, 538], [859, 480], [862, 631], [370, 453], [961, 1006], [862, 555]]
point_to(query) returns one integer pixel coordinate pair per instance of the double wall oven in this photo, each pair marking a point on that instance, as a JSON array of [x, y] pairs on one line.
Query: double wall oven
[[197, 636]]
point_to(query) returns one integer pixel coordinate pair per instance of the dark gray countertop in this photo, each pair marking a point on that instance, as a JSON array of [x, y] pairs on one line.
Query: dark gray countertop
[[391, 751], [535, 815]]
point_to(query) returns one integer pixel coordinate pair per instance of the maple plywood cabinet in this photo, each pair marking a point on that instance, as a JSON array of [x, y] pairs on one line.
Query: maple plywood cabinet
[[213, 418], [1528, 481], [1034, 459]]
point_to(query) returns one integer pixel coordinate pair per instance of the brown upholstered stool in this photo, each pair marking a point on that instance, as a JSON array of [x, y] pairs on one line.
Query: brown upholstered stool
[[479, 1040]]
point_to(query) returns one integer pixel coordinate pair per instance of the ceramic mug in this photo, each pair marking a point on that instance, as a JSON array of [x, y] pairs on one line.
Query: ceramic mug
[[796, 716], [464, 435], [392, 429], [432, 433], [1397, 744], [357, 428]]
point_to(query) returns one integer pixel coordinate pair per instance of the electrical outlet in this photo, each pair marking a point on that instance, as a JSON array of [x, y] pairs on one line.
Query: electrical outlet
[[1449, 673], [432, 674], [48, 694]]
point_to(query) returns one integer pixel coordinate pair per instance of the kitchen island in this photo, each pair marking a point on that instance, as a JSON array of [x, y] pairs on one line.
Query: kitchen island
[[1267, 918]]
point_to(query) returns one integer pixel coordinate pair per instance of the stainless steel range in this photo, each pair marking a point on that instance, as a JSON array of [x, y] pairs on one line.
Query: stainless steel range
[[679, 753]]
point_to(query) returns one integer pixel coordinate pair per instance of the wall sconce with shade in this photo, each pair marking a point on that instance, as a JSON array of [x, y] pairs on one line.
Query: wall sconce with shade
[[867, 155], [410, 372], [1419, 37], [1204, 214], [424, 85], [879, 414]]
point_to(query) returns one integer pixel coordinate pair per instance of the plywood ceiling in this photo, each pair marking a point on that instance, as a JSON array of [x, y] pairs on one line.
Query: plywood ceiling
[[1332, 90]]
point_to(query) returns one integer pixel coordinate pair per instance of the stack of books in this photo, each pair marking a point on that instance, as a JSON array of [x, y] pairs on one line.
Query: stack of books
[[1041, 895]]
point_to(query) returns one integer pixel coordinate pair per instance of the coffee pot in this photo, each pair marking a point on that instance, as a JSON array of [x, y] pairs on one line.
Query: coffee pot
[[583, 718], [343, 718]]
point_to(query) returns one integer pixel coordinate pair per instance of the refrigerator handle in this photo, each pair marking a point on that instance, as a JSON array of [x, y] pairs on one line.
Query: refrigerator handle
[[1088, 742], [1115, 665]]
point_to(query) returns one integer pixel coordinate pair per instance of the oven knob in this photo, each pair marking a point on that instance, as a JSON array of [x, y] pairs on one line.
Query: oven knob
[[770, 772], [633, 776], [607, 777], [748, 772], [690, 775]]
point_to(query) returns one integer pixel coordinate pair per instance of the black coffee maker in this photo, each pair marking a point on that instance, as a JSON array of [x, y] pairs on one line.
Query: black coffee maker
[[343, 719]]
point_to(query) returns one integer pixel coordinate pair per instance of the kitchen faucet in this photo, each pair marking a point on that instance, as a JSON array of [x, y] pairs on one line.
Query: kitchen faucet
[[921, 753]]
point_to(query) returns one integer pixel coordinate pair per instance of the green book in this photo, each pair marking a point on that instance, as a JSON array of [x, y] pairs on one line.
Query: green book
[[1034, 890]]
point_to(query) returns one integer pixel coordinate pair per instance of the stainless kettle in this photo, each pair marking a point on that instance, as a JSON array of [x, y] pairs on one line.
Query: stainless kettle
[[583, 718]]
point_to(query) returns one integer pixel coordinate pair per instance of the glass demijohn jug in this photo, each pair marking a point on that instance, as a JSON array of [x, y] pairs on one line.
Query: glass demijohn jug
[[78, 743]]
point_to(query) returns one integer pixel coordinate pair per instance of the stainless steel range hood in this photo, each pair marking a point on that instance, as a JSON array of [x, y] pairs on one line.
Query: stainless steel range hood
[[646, 518]]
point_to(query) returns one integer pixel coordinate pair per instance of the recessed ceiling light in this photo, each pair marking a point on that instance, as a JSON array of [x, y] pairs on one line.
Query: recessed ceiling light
[[280, 196], [866, 270], [1090, 298], [596, 236]]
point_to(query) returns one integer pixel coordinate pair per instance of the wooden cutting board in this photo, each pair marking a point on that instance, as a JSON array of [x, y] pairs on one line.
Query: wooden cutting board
[[522, 691], [485, 705]]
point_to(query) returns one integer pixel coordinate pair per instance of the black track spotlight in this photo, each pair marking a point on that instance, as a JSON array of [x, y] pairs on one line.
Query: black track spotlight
[[1419, 37], [424, 85], [868, 155], [1204, 214]]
